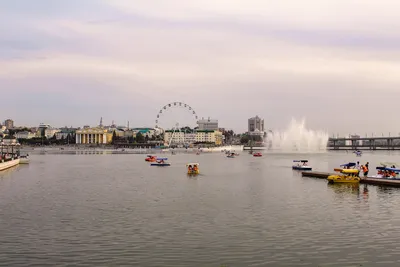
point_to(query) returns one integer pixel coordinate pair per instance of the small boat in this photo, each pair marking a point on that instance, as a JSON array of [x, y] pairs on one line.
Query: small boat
[[258, 154], [151, 158], [24, 159], [193, 168], [386, 173], [345, 176], [389, 164], [358, 153], [161, 162], [301, 165], [231, 155]]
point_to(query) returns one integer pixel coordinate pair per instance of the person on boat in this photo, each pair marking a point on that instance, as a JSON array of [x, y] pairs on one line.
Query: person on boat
[[190, 169], [358, 165], [195, 168]]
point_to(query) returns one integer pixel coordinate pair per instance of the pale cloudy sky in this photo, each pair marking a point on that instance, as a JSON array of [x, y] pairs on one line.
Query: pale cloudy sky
[[334, 62]]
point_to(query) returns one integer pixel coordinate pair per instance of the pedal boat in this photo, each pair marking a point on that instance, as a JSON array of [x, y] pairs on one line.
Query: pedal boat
[[161, 162], [301, 167], [194, 170], [345, 176]]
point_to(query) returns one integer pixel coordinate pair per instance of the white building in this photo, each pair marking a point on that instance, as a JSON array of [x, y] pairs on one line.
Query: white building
[[25, 135], [257, 133], [201, 136], [255, 123], [208, 124], [95, 135], [61, 135], [50, 132]]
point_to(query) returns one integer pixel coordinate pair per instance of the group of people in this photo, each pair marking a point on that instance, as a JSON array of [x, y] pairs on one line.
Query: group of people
[[387, 173], [193, 168], [363, 168]]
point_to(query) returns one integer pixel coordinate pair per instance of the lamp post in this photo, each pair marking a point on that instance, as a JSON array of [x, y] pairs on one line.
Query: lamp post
[[18, 149]]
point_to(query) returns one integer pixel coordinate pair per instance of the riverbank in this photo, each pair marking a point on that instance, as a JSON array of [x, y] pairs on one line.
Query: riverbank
[[79, 149]]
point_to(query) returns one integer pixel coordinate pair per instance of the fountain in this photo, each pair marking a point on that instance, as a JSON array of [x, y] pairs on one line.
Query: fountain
[[297, 139]]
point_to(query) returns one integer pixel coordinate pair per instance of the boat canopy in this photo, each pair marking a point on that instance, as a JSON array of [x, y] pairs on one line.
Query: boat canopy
[[193, 164], [350, 171], [350, 164], [384, 164], [388, 169], [303, 160]]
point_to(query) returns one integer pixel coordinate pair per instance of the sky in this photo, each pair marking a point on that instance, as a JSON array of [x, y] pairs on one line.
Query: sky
[[335, 63]]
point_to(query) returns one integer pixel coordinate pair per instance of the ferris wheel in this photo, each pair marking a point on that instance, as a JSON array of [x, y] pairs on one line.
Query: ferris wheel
[[183, 108]]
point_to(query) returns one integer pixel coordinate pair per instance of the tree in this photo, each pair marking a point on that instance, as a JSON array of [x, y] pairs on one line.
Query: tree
[[114, 137], [244, 139], [140, 138]]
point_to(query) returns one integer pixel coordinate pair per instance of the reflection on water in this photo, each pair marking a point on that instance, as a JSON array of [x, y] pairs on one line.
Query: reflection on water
[[341, 189], [116, 210]]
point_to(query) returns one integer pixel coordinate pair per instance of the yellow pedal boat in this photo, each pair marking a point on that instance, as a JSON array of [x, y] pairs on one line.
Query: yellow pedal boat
[[345, 176], [193, 168]]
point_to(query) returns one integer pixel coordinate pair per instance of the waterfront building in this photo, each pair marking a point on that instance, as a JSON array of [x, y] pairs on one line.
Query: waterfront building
[[9, 123], [176, 136], [51, 132], [257, 133], [255, 123], [65, 131], [200, 136], [96, 135], [42, 129], [149, 132], [208, 124], [25, 135]]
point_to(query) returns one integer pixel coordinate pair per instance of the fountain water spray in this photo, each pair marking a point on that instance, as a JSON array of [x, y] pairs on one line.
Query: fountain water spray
[[297, 139]]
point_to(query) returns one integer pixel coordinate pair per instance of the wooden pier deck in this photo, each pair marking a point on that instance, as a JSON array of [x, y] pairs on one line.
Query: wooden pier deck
[[321, 175], [368, 180]]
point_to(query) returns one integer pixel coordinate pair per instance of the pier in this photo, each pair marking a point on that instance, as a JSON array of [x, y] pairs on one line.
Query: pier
[[367, 180], [364, 143]]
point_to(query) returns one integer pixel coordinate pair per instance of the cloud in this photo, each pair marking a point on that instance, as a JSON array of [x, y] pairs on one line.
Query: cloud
[[228, 59]]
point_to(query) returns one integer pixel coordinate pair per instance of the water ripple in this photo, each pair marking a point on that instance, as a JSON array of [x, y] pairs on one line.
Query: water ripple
[[114, 210]]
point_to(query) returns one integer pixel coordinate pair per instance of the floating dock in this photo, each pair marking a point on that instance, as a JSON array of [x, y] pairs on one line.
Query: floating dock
[[321, 175], [368, 180]]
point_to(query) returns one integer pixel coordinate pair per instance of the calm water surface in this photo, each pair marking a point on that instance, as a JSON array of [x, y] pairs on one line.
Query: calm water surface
[[116, 210]]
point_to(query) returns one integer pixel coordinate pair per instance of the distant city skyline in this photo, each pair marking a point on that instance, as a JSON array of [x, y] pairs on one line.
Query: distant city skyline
[[72, 62]]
